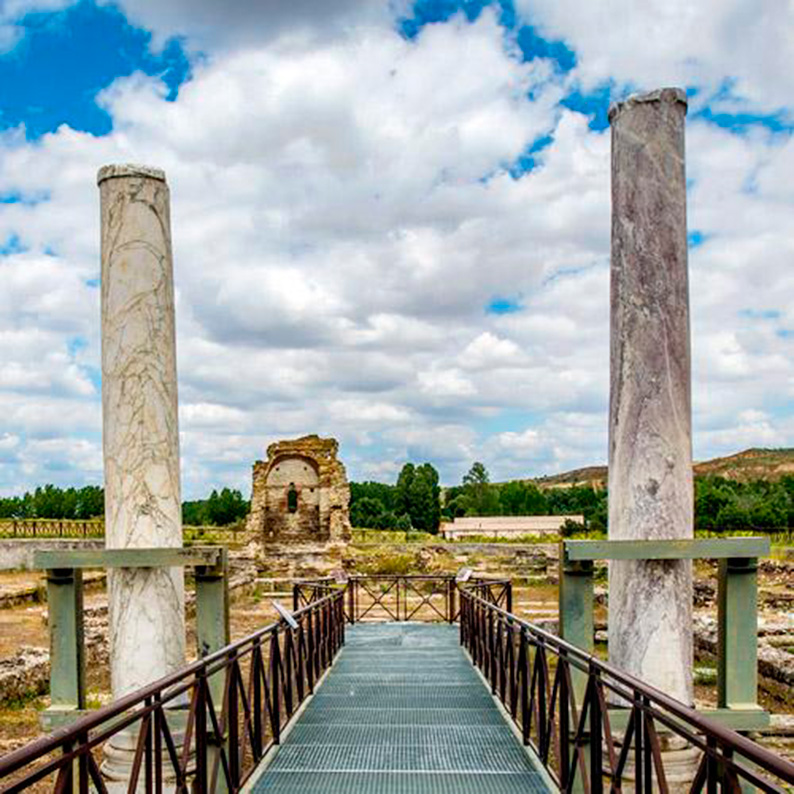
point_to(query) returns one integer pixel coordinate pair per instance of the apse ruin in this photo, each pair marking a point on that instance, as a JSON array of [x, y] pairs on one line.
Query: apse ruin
[[300, 493]]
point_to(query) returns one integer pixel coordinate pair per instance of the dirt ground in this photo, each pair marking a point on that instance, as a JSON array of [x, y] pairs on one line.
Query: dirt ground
[[19, 722]]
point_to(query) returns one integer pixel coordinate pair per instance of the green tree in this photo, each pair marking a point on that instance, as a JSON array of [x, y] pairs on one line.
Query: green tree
[[733, 516], [375, 490], [476, 483], [403, 523], [194, 513], [710, 497], [366, 513], [519, 498], [416, 498], [477, 475], [226, 507], [90, 502], [402, 498], [48, 502]]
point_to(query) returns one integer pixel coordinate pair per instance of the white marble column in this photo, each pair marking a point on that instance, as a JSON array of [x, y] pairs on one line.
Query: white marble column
[[650, 448], [140, 430]]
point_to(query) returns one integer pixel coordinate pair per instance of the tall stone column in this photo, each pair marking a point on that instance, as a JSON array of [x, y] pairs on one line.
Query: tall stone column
[[650, 436], [140, 431]]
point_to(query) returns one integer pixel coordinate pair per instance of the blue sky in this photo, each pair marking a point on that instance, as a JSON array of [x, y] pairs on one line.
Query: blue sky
[[391, 223]]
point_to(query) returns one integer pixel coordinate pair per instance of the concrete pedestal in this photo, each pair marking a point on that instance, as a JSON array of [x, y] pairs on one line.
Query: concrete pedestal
[[140, 431], [650, 456]]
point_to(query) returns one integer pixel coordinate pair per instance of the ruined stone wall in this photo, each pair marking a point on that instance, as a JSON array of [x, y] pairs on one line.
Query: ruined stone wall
[[300, 493]]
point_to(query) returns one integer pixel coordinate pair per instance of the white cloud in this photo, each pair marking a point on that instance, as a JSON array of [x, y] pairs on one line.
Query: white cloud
[[343, 216], [678, 42], [487, 350]]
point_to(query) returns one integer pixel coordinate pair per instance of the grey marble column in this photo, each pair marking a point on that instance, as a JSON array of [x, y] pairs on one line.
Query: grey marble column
[[140, 431], [650, 446]]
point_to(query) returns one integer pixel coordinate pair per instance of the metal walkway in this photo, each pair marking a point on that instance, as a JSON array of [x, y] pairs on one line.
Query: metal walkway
[[402, 711]]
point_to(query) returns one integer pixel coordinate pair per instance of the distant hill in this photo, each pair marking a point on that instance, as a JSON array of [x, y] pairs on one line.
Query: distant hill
[[752, 464]]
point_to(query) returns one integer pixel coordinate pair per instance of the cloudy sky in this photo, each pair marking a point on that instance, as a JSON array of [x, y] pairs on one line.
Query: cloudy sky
[[391, 223]]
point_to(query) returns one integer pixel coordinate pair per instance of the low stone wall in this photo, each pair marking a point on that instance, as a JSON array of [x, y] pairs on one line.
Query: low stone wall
[[774, 663], [37, 593], [18, 554], [25, 674]]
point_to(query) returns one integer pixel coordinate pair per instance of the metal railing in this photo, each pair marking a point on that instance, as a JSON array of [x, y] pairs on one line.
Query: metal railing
[[563, 701], [51, 528], [203, 728], [401, 597], [46, 528]]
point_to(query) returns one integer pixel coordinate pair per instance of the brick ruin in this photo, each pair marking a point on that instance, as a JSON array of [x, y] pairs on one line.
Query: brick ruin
[[300, 493]]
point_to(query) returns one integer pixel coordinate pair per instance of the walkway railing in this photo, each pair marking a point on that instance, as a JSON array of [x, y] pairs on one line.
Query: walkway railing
[[401, 597], [201, 729], [592, 725]]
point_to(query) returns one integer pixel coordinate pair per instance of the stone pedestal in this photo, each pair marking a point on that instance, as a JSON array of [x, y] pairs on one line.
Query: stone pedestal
[[650, 455], [140, 432]]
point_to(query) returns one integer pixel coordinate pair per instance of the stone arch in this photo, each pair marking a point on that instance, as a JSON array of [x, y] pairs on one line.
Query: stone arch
[[292, 483]]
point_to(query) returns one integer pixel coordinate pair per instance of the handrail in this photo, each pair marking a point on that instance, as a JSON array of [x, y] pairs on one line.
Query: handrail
[[501, 643], [430, 596], [247, 712]]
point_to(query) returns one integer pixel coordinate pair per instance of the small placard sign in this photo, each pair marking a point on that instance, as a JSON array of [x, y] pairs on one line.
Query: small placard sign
[[464, 574], [286, 614], [340, 577]]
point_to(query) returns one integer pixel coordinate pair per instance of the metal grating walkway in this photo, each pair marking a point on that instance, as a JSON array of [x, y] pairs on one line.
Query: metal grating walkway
[[402, 712]]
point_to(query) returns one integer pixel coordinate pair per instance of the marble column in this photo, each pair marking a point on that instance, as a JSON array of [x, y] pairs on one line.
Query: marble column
[[650, 446], [140, 431]]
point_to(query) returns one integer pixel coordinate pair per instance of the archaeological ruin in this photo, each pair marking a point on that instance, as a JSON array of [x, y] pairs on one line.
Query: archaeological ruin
[[300, 493]]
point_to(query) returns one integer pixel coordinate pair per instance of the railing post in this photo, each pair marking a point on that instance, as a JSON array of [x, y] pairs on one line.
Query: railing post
[[201, 777], [232, 722], [523, 670], [296, 600], [289, 657], [351, 603], [596, 725], [639, 742], [462, 623], [492, 651], [148, 750], [509, 597], [564, 721], [310, 649], [737, 656], [256, 705], [275, 685]]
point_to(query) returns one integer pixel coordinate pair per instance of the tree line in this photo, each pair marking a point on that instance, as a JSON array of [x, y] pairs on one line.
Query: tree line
[[219, 509], [415, 502], [719, 503], [81, 504], [49, 501]]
